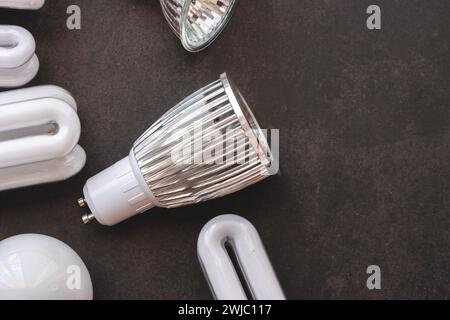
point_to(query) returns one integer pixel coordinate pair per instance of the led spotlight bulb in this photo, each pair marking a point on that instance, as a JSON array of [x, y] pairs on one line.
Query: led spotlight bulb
[[37, 267], [198, 22], [207, 146]]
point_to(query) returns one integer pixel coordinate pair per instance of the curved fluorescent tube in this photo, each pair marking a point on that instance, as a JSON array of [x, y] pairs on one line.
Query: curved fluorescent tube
[[22, 4], [39, 132], [219, 270], [18, 62]]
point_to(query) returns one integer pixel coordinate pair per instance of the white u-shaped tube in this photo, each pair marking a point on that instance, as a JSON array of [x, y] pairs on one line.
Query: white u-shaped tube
[[18, 61], [30, 155], [254, 263], [22, 4]]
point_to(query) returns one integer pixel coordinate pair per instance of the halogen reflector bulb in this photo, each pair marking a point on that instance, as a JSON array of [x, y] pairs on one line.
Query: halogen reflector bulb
[[37, 267], [198, 22], [207, 146]]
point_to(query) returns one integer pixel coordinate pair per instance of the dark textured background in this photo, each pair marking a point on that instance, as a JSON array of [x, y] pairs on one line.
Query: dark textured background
[[365, 142]]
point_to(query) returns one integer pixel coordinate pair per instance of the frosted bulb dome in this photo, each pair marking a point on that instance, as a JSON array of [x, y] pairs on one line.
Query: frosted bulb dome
[[37, 267]]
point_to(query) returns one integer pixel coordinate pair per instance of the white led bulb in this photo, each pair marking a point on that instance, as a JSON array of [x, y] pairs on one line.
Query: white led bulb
[[22, 4], [39, 132], [18, 62], [37, 267], [252, 260]]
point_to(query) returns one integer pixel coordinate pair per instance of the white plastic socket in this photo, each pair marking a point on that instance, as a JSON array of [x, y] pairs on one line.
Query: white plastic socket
[[124, 183]]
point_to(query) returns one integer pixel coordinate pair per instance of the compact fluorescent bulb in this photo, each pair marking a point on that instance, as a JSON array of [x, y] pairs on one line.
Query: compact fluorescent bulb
[[39, 132], [18, 62], [150, 176], [22, 4], [252, 260], [198, 22]]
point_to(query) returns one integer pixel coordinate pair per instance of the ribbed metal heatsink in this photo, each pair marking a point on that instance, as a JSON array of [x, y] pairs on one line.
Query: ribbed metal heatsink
[[220, 112], [197, 22]]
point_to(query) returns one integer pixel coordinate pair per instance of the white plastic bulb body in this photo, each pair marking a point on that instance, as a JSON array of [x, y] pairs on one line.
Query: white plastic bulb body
[[252, 259], [152, 177], [38, 267], [18, 61], [22, 4], [118, 193], [39, 132]]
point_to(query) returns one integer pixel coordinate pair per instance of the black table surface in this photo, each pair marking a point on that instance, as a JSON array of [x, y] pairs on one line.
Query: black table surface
[[365, 142]]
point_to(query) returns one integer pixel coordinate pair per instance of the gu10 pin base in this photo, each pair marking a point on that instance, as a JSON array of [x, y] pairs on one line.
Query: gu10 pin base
[[151, 177], [88, 217]]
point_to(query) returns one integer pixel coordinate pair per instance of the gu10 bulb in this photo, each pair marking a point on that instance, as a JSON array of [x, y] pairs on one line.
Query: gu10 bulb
[[22, 4], [37, 267], [39, 132], [198, 22], [157, 174], [18, 62], [222, 276]]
